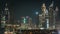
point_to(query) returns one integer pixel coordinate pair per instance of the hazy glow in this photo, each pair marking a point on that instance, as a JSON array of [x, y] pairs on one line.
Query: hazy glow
[[36, 13]]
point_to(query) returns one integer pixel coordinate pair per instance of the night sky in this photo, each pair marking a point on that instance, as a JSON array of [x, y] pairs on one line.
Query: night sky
[[28, 7]]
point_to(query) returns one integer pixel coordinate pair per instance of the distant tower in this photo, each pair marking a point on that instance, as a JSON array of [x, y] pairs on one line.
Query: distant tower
[[52, 16], [56, 10], [7, 13], [37, 18], [30, 21], [5, 16]]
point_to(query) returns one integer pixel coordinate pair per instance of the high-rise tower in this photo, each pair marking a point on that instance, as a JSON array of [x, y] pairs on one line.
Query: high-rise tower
[[43, 14], [7, 13], [43, 18], [5, 16], [52, 16]]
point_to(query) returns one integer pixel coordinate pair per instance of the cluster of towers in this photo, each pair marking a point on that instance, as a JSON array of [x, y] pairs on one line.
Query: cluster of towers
[[45, 20], [48, 17]]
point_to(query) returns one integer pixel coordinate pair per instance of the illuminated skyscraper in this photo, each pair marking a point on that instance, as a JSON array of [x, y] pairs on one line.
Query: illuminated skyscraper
[[44, 18], [43, 15]]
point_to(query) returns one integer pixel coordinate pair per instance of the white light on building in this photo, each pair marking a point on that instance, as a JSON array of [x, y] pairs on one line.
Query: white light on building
[[47, 23]]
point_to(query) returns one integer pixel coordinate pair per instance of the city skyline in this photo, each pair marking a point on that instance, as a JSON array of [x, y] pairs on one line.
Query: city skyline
[[28, 7], [22, 16]]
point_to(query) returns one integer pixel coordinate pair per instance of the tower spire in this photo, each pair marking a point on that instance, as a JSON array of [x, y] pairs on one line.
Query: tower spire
[[6, 8], [51, 5], [43, 7], [6, 4]]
